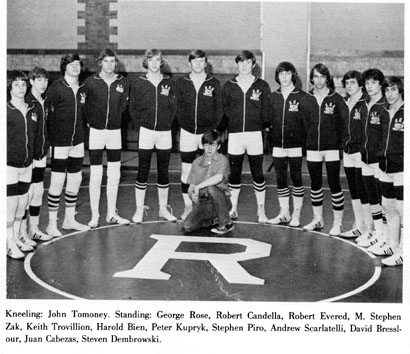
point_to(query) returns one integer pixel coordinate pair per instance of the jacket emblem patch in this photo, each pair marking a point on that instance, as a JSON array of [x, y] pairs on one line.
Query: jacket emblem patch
[[374, 118], [329, 108], [208, 91], [356, 114], [82, 97], [165, 90], [255, 95], [34, 116], [120, 88], [293, 106], [398, 125]]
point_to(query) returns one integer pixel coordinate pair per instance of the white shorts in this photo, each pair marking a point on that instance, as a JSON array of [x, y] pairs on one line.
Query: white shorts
[[395, 178], [291, 152], [189, 142], [148, 139], [371, 170], [249, 142], [105, 138], [398, 178], [17, 174], [40, 163], [64, 152], [352, 160], [319, 156]]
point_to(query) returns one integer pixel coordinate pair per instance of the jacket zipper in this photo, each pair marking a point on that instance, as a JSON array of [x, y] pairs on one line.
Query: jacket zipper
[[108, 106], [283, 124], [26, 132], [75, 118], [388, 138], [196, 110], [367, 137], [44, 124], [244, 111], [156, 107], [318, 127], [350, 134]]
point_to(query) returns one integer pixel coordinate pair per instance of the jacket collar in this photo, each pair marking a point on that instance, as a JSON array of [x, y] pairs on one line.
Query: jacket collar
[[30, 98], [188, 77], [401, 108], [295, 90], [11, 106], [233, 80], [331, 93], [382, 101], [144, 77], [65, 83], [98, 77]]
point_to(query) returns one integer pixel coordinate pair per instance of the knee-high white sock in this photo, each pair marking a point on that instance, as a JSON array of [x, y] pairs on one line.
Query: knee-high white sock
[[367, 217], [96, 172], [358, 214], [393, 222], [113, 180], [235, 196]]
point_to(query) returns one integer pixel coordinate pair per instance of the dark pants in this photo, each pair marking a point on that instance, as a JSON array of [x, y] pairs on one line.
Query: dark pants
[[213, 203]]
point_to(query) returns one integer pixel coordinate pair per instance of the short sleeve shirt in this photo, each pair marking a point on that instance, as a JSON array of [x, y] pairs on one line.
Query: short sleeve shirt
[[201, 170]]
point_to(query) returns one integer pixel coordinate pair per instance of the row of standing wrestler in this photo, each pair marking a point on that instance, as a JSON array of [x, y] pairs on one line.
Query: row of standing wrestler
[[368, 126]]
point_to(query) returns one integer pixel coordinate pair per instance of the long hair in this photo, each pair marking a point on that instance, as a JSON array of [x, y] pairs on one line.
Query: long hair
[[151, 53], [67, 59], [286, 66]]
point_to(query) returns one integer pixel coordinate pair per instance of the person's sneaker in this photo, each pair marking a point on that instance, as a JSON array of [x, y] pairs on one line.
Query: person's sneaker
[[186, 212], [376, 238], [295, 221], [280, 219], [139, 214], [380, 249], [24, 247], [13, 251], [93, 223], [166, 213], [53, 231], [365, 236], [336, 230], [117, 220], [24, 237], [72, 224], [221, 230], [233, 214], [262, 219], [315, 224], [394, 260], [351, 233], [38, 235]]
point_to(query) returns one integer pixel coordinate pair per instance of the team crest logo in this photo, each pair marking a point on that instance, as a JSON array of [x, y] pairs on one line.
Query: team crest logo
[[34, 116], [374, 118], [165, 90], [329, 108], [398, 125], [255, 95], [120, 88], [293, 106], [82, 97], [356, 114], [208, 91]]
